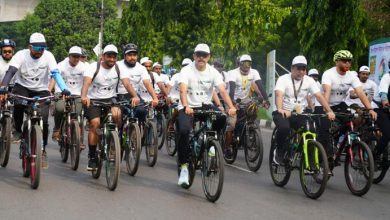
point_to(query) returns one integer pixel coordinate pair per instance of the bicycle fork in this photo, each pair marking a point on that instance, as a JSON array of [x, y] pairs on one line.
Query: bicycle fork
[[305, 151]]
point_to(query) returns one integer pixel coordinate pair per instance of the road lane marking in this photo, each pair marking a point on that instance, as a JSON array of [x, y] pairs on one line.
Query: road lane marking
[[239, 168]]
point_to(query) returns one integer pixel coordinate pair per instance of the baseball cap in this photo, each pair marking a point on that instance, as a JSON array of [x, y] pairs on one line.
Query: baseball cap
[[299, 61], [202, 48], [186, 61], [364, 69], [156, 64], [110, 49], [245, 57], [37, 38], [313, 72], [75, 50]]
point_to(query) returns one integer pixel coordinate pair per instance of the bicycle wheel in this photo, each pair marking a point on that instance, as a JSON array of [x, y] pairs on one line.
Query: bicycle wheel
[[280, 174], [359, 168], [132, 148], [170, 139], [230, 157], [253, 148], [5, 144], [35, 157], [74, 144], [26, 165], [314, 176], [382, 166], [96, 172], [64, 141], [161, 129], [151, 143], [212, 170], [113, 159]]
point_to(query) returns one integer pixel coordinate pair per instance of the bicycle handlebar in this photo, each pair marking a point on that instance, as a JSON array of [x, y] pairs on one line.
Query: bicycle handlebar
[[33, 99]]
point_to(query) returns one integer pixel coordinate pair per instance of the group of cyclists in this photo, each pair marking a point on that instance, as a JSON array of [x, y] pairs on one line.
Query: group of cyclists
[[34, 72]]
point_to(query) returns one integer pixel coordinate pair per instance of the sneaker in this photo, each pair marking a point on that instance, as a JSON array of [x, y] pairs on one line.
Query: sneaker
[[278, 156], [16, 137], [92, 162], [56, 135], [82, 146], [44, 162], [183, 179], [211, 152]]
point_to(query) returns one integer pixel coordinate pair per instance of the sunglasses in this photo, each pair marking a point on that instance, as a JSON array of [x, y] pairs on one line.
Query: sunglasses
[[246, 63], [201, 54], [38, 48], [76, 56], [346, 60]]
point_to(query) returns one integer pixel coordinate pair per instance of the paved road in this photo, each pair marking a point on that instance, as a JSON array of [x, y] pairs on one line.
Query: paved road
[[153, 194]]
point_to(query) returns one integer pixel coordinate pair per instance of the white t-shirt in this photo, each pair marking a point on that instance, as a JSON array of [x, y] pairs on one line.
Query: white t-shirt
[[104, 84], [174, 82], [3, 68], [340, 84], [159, 78], [384, 83], [33, 74], [371, 90], [285, 85], [243, 82], [135, 74], [200, 84], [316, 102], [72, 75]]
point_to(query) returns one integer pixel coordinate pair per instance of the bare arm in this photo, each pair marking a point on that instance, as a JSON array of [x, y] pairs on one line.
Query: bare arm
[[323, 102], [216, 99], [126, 83], [51, 85], [225, 96], [362, 96], [164, 91], [84, 90], [327, 89], [279, 100], [183, 94]]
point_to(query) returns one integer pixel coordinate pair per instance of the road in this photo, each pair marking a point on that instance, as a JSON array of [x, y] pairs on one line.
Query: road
[[153, 194]]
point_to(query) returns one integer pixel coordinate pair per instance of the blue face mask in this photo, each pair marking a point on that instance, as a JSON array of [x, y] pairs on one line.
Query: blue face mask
[[39, 48]]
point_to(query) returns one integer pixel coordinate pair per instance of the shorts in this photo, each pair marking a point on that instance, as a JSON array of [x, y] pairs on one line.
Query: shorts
[[95, 111]]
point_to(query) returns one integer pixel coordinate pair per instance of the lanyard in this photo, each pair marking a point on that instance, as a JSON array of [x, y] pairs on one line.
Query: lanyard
[[296, 92]]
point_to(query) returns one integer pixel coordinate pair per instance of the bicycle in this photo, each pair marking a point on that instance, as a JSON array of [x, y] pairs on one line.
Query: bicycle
[[149, 137], [359, 162], [31, 144], [161, 122], [70, 128], [306, 154], [203, 157], [171, 130], [5, 133], [130, 138], [108, 150], [247, 135]]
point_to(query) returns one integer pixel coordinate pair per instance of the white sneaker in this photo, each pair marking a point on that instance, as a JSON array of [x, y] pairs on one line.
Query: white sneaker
[[211, 152], [183, 179]]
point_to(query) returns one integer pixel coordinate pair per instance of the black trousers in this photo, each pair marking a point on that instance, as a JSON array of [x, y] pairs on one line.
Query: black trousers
[[184, 125], [383, 122], [19, 109], [284, 126]]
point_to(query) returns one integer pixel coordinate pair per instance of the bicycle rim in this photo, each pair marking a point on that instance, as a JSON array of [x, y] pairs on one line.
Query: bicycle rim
[[96, 172], [161, 131], [359, 168], [212, 171], [151, 143], [74, 146], [253, 149], [36, 153], [64, 142], [112, 162], [314, 174], [170, 139], [5, 145], [133, 148], [280, 174]]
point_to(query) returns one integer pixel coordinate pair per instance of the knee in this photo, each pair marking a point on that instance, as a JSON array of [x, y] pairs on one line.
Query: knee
[[231, 123], [94, 124]]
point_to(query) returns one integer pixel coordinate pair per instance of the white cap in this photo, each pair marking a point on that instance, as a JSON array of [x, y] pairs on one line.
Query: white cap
[[245, 57], [144, 60], [110, 49], [299, 61], [75, 50], [37, 38], [156, 64], [186, 61], [364, 69], [202, 48], [313, 72]]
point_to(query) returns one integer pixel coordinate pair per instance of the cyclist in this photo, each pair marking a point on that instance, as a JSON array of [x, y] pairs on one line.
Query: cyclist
[[291, 91], [157, 82], [197, 83], [240, 81], [32, 68], [336, 82], [72, 71], [313, 103], [139, 79], [157, 69], [7, 50], [100, 83]]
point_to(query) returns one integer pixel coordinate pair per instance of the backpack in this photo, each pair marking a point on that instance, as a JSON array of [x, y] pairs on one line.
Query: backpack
[[117, 72]]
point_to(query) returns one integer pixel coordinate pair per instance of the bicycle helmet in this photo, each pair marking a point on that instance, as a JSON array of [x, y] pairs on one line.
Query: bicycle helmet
[[7, 43], [130, 48], [84, 52], [342, 54], [251, 111]]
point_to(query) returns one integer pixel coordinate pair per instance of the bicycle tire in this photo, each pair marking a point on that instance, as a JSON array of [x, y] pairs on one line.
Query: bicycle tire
[[170, 143], [367, 172], [212, 170], [64, 141], [151, 150], [161, 124], [5, 141], [232, 158], [96, 172], [113, 159], [26, 165], [74, 146], [314, 186], [36, 154], [381, 167], [133, 148], [254, 150], [280, 174]]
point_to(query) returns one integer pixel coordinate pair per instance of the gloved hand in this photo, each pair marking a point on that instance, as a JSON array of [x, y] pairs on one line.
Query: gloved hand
[[65, 92]]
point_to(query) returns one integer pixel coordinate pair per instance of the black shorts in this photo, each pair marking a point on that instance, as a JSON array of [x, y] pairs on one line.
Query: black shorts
[[95, 111]]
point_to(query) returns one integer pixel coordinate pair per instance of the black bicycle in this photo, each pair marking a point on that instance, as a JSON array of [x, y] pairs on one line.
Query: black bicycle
[[171, 130], [109, 149], [161, 122], [206, 154], [70, 132], [31, 144], [149, 137], [5, 133]]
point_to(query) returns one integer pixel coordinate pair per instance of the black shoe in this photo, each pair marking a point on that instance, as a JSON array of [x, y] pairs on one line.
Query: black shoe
[[92, 162]]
